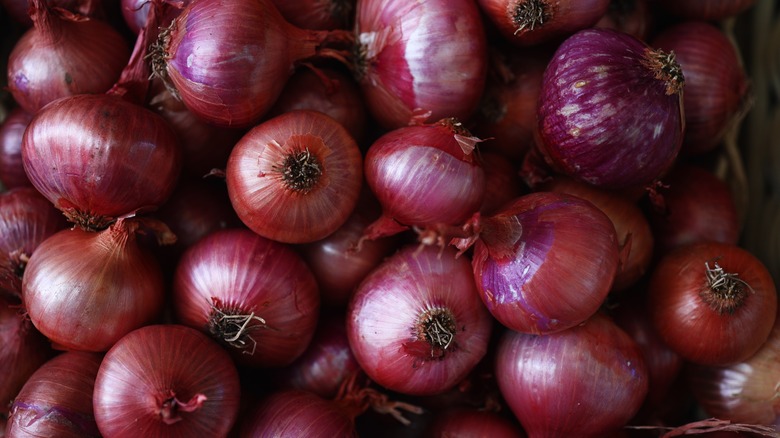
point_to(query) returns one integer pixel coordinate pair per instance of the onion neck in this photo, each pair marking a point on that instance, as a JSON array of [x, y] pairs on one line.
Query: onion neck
[[233, 326], [530, 14], [664, 67], [46, 21], [724, 292], [170, 407]]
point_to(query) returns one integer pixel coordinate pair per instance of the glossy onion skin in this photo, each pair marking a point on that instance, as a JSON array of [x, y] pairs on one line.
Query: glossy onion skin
[[148, 365], [254, 47], [421, 56], [386, 306], [250, 273], [586, 381], [85, 290], [265, 203], [57, 399], [693, 328], [603, 117], [101, 155], [558, 268], [11, 133]]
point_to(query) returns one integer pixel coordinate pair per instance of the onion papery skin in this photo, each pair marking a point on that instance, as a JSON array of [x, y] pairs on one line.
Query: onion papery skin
[[385, 321], [697, 207], [419, 57], [604, 118], [57, 399], [743, 392], [696, 320], [151, 365], [26, 220], [422, 177], [545, 262], [586, 381], [296, 413], [632, 227], [233, 76], [85, 290], [99, 157], [532, 22], [472, 423], [240, 273], [11, 131], [710, 10], [22, 351], [64, 55], [716, 84], [318, 14]]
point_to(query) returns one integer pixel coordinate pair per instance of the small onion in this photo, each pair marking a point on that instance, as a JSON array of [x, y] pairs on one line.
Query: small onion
[[255, 296], [415, 324], [610, 109], [633, 17], [11, 133], [57, 399], [472, 423], [166, 381], [317, 14], [502, 182], [19, 10]]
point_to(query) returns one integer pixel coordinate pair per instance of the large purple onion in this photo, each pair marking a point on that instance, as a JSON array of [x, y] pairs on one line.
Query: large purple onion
[[610, 109]]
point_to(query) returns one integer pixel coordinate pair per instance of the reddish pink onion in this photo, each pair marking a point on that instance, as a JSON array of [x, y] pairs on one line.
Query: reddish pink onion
[[502, 182], [610, 110], [11, 131], [472, 423], [415, 324], [586, 381], [166, 381], [19, 10], [318, 14], [420, 59], [256, 296], [57, 399], [633, 17], [711, 10]]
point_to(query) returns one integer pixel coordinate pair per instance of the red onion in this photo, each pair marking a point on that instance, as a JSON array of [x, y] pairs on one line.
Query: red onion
[[585, 381], [317, 14], [424, 176], [711, 10], [256, 296], [295, 178], [502, 182], [166, 381], [297, 413], [610, 109], [420, 59], [26, 220], [134, 13], [531, 22], [745, 391], [545, 262], [85, 290], [697, 207], [716, 84], [327, 90], [633, 17], [415, 324], [633, 230], [64, 55], [22, 351], [11, 132], [57, 399], [712, 303], [472, 423], [19, 10], [232, 77]]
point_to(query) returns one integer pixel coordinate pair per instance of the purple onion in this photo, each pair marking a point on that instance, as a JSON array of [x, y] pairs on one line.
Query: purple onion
[[610, 110]]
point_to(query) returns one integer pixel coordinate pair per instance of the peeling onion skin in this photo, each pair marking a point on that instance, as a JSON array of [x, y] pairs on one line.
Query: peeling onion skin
[[603, 116], [420, 56], [586, 381], [545, 262], [386, 307]]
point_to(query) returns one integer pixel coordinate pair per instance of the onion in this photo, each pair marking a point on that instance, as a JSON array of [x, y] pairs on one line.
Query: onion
[[85, 290], [502, 182], [11, 131], [420, 59], [531, 22], [586, 381], [711, 10], [26, 220], [165, 381], [633, 17], [610, 109], [472, 423], [22, 351], [255, 296], [19, 10], [424, 176], [64, 55], [57, 399], [317, 14], [716, 85], [545, 262], [295, 178], [232, 77], [415, 324], [712, 303], [697, 207]]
